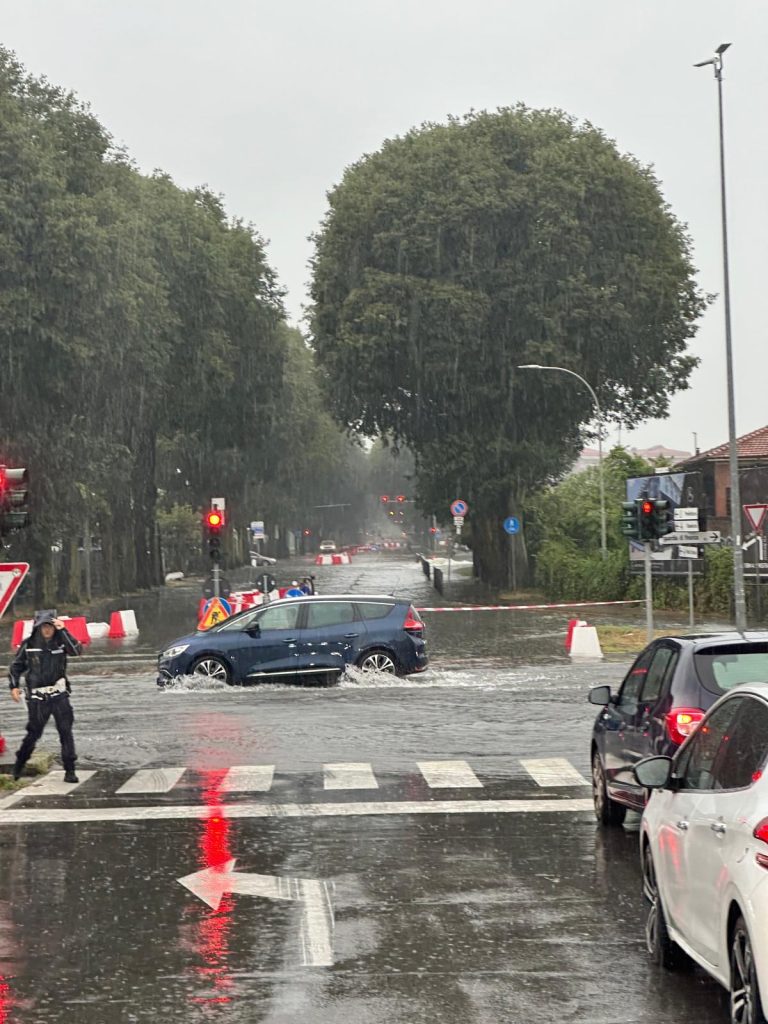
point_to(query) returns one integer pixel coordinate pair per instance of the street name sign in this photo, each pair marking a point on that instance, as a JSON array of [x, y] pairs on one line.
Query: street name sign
[[11, 576], [700, 537], [687, 552]]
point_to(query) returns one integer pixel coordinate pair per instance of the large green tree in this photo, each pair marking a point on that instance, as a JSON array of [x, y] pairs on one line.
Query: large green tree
[[462, 250]]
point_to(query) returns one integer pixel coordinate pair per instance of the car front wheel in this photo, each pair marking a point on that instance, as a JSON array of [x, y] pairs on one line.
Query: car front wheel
[[212, 668], [607, 811], [746, 1007]]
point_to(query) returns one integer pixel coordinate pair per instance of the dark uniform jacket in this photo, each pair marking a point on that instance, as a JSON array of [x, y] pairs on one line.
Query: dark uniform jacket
[[44, 662]]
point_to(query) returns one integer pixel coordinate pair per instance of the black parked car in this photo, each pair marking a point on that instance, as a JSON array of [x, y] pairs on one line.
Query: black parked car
[[660, 702]]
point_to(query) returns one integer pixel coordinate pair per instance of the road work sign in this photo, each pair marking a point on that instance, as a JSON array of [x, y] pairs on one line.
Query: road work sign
[[214, 611]]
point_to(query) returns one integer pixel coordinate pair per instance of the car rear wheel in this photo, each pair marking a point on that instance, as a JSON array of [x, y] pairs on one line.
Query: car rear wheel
[[378, 661], [607, 811], [212, 668], [746, 1007], [662, 950]]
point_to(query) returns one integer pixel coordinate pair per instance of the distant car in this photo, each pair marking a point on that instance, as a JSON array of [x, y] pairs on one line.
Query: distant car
[[660, 702], [704, 850], [327, 545], [303, 636]]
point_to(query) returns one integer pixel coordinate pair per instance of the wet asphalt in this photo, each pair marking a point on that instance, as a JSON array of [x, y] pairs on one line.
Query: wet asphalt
[[341, 880]]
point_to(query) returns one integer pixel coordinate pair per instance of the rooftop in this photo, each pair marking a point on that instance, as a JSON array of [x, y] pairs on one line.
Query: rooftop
[[750, 446]]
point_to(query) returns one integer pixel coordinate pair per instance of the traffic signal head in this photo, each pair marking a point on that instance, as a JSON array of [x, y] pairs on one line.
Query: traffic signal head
[[14, 495], [400, 498], [630, 520], [646, 520], [663, 518], [384, 499], [214, 520]]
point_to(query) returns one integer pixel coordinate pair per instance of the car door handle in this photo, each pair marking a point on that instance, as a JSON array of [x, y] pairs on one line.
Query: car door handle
[[291, 640], [682, 825], [719, 827], [350, 636]]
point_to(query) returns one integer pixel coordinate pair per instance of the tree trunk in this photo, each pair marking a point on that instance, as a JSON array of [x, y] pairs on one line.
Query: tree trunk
[[500, 559]]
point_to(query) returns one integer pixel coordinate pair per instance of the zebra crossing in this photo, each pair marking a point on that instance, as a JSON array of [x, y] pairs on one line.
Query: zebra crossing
[[544, 773]]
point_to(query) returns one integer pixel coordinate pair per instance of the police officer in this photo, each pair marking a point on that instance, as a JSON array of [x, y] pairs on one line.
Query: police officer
[[43, 660]]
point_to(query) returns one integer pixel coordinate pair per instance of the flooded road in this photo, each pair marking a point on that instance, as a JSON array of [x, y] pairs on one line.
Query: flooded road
[[383, 850]]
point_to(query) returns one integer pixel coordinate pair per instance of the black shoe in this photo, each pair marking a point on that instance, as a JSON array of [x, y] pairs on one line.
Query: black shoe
[[17, 773], [69, 776]]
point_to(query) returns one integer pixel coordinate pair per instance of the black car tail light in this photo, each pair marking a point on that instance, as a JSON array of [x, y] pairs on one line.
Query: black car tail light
[[681, 722], [413, 621]]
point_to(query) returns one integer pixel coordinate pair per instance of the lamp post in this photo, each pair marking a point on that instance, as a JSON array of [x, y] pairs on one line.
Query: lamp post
[[740, 606], [590, 389]]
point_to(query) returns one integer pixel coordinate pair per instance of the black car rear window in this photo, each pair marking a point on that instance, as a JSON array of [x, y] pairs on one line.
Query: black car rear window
[[371, 610], [721, 668]]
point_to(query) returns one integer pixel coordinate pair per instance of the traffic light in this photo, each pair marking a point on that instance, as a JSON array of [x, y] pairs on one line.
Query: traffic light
[[630, 519], [384, 499], [400, 498], [14, 495], [215, 522], [663, 519], [647, 520]]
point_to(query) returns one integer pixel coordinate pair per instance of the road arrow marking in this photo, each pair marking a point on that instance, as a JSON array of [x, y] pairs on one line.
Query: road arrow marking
[[211, 884]]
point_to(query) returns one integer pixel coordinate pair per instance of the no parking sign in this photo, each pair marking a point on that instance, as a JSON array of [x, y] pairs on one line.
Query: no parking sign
[[459, 507]]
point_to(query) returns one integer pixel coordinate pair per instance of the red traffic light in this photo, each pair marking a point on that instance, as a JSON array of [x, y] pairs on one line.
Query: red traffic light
[[647, 508], [401, 497], [433, 529], [214, 519], [307, 533], [384, 499]]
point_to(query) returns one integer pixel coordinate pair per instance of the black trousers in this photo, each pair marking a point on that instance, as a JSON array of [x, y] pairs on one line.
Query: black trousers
[[39, 712]]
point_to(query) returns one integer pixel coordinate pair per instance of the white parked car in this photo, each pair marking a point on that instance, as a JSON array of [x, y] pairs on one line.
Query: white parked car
[[327, 546], [704, 850]]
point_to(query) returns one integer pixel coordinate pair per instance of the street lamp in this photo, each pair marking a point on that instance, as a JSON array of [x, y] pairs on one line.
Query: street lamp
[[590, 389], [739, 602]]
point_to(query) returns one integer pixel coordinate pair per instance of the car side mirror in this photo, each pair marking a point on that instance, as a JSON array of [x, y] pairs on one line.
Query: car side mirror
[[254, 630], [653, 772], [600, 695]]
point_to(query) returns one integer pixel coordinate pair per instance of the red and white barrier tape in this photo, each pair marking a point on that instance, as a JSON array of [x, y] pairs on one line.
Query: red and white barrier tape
[[523, 607]]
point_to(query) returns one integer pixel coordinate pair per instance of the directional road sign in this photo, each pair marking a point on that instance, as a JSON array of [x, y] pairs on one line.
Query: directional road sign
[[701, 537], [755, 514], [512, 524], [459, 507]]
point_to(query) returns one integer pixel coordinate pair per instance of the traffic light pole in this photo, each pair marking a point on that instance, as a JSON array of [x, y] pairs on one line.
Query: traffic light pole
[[216, 573], [648, 592]]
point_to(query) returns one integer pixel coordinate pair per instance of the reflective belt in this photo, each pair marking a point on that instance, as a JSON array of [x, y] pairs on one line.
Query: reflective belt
[[41, 692]]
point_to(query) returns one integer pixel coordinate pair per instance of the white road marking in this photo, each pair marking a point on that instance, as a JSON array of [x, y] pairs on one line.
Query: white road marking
[[171, 812], [348, 775], [553, 771], [449, 775], [248, 778], [210, 885], [152, 780], [52, 784]]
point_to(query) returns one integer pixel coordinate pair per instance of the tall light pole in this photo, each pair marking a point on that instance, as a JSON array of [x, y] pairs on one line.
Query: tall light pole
[[740, 606], [590, 389]]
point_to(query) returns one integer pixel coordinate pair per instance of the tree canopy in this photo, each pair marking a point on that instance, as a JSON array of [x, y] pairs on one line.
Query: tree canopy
[[462, 250]]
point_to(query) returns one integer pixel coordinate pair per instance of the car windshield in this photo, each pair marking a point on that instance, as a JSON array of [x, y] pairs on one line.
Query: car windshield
[[721, 668]]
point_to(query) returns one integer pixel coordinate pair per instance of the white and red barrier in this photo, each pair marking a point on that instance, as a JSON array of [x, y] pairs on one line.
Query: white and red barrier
[[585, 642], [76, 625], [523, 607], [122, 624], [342, 558]]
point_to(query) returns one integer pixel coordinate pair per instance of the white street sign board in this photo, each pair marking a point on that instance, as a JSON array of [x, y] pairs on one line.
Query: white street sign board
[[257, 530], [701, 537], [219, 503], [687, 552], [755, 514], [686, 513]]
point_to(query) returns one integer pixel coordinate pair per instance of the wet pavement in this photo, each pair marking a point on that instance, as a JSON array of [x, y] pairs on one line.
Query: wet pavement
[[380, 851]]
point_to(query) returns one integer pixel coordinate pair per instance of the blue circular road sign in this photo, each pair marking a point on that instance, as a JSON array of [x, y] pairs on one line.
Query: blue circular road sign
[[459, 507], [512, 524]]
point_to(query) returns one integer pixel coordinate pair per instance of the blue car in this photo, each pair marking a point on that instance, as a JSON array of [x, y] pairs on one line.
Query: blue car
[[308, 636]]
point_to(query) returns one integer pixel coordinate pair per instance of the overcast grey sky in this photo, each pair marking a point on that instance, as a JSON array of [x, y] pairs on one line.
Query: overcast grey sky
[[269, 102]]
